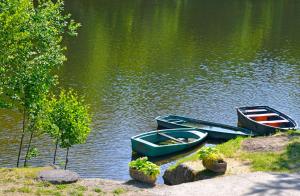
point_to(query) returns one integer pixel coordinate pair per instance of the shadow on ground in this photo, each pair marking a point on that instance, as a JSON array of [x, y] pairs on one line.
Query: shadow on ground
[[276, 187], [289, 160], [139, 184]]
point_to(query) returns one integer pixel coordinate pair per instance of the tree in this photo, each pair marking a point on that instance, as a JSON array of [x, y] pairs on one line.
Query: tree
[[30, 51], [67, 120]]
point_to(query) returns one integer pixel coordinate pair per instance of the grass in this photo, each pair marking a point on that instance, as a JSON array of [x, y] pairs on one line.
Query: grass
[[192, 157], [24, 189], [229, 148], [119, 191], [286, 161], [22, 181], [98, 190]]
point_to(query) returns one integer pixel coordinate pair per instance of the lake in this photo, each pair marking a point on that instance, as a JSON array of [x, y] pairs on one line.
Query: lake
[[137, 59]]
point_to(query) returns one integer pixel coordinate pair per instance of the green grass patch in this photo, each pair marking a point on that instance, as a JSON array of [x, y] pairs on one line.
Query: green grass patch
[[24, 189], [76, 193], [294, 132], [81, 188], [11, 190], [230, 148], [192, 157], [41, 192], [119, 191], [61, 186], [286, 161], [98, 190], [44, 184]]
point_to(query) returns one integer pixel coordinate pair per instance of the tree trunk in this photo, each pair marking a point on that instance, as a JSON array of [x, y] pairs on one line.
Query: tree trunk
[[54, 156], [28, 148], [67, 160], [22, 137]]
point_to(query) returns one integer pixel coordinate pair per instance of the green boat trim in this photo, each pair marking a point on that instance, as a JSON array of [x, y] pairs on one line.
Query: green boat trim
[[214, 130], [148, 143]]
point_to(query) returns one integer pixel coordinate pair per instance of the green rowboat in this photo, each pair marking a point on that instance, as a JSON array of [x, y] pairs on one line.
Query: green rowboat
[[163, 142], [214, 130]]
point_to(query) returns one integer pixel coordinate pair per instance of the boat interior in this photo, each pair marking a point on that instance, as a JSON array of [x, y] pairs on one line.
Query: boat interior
[[175, 137], [195, 124], [267, 117]]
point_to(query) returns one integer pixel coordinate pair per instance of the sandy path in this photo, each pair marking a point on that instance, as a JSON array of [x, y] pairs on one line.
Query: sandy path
[[258, 183]]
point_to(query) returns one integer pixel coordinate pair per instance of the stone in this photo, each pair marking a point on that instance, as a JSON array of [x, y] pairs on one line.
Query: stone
[[58, 176], [187, 172]]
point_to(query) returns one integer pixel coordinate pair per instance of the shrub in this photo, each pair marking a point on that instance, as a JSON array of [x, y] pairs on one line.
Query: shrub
[[209, 156], [148, 168], [207, 151]]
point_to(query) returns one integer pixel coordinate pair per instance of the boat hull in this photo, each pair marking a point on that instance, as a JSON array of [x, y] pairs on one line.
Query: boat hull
[[143, 143], [258, 128], [214, 130]]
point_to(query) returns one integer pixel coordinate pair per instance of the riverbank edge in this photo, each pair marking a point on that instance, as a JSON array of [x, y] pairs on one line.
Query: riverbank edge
[[97, 186], [24, 180], [268, 156], [15, 181]]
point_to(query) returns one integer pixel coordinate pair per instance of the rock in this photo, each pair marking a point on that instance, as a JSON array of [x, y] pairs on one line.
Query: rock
[[187, 172], [58, 176]]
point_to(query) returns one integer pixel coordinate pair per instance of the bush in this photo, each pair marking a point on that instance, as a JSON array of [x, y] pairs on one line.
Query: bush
[[148, 168], [207, 151], [210, 156]]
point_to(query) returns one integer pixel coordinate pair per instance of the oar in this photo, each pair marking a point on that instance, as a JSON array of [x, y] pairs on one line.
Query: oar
[[172, 138]]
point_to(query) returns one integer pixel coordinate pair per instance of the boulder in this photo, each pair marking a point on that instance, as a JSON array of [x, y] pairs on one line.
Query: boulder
[[58, 176], [187, 172]]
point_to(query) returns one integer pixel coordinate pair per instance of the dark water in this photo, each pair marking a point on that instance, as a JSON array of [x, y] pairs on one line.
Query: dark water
[[137, 59]]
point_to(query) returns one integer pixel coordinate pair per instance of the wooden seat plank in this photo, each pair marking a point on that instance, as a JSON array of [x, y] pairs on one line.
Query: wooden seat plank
[[172, 138], [255, 110], [273, 121], [259, 115]]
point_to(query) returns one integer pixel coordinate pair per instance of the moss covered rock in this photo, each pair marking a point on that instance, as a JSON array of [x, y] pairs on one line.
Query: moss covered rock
[[187, 172]]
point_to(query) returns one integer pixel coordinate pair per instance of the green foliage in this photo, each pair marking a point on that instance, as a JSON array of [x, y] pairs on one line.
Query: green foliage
[[30, 48], [81, 188], [119, 191], [207, 151], [33, 152], [24, 189], [30, 52], [61, 186], [67, 119], [148, 168], [209, 156], [293, 132], [98, 190]]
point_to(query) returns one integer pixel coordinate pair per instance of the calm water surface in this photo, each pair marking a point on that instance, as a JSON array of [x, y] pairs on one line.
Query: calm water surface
[[137, 59]]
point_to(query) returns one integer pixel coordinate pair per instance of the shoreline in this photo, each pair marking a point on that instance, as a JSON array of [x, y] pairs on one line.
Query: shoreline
[[239, 184], [263, 168]]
